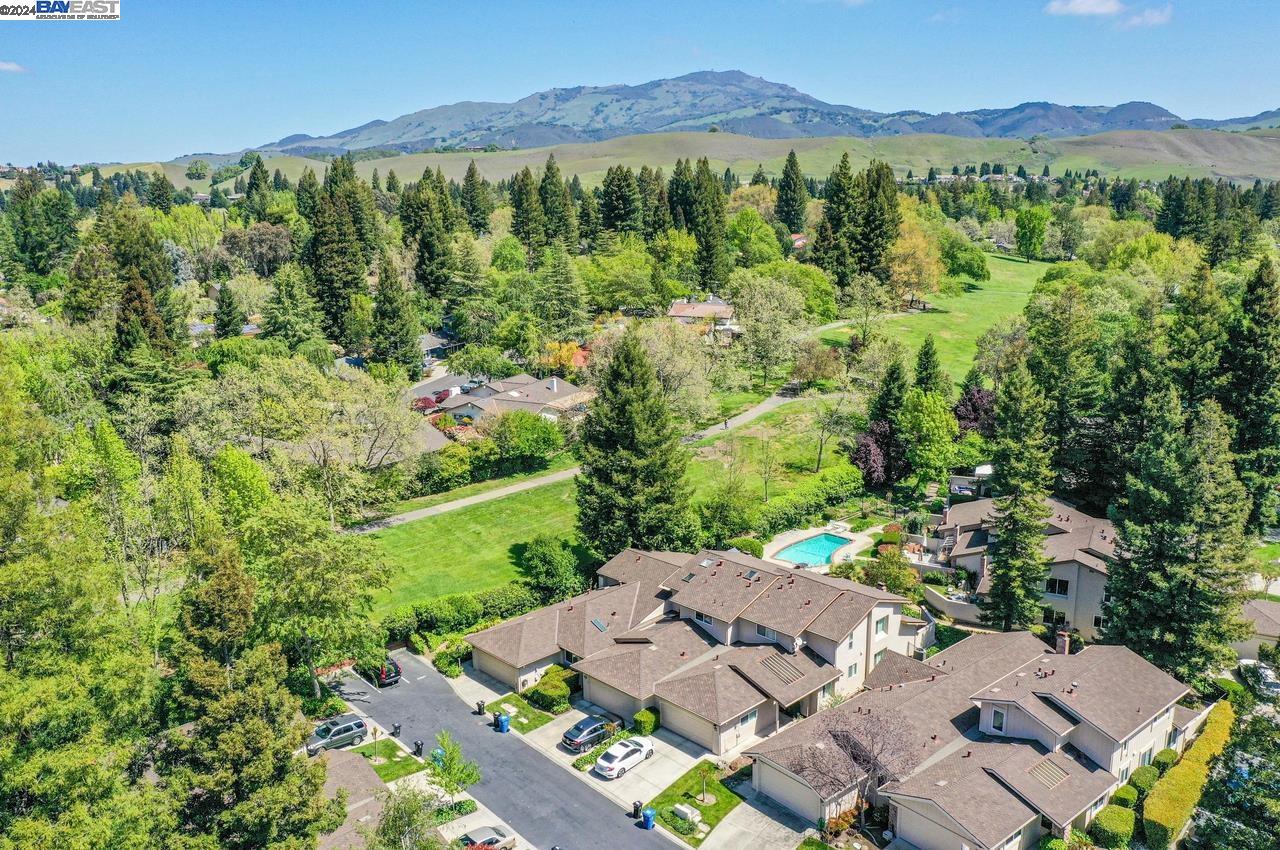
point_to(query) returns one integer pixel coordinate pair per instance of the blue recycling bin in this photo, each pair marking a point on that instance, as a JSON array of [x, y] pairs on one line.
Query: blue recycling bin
[[504, 722], [647, 817]]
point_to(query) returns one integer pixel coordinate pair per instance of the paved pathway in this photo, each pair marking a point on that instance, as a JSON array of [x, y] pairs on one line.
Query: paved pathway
[[771, 403], [545, 804]]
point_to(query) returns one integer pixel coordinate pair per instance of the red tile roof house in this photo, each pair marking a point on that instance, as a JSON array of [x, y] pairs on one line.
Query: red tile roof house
[[726, 646], [1080, 549], [990, 744]]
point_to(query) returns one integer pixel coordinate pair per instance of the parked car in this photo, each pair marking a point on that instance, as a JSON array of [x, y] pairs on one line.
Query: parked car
[[587, 732], [337, 732], [442, 395], [488, 836], [388, 673], [623, 756], [1261, 676]]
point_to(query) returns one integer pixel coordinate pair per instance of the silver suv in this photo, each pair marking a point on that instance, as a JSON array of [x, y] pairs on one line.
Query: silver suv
[[337, 732]]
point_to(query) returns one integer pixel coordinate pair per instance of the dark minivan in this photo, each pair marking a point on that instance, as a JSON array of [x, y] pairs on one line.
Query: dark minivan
[[587, 732], [388, 673]]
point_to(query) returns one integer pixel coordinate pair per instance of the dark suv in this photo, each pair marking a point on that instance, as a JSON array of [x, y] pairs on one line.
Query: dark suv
[[337, 732], [388, 673], [587, 732]]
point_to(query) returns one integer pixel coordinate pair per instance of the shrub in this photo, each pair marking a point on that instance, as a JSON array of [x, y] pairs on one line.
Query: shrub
[[677, 823], [452, 811], [549, 694], [646, 721], [328, 705], [1126, 796], [1051, 843], [505, 601], [891, 538], [585, 761], [1113, 827], [936, 578], [1144, 779], [1174, 798], [449, 657], [417, 644], [1239, 696], [747, 544], [1164, 760], [400, 623], [791, 509]]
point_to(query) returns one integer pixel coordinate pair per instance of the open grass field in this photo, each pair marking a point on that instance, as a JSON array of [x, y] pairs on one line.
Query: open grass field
[[564, 460], [1143, 154], [956, 321]]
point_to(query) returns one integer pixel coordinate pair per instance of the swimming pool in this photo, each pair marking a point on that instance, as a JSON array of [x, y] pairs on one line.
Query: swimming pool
[[812, 550]]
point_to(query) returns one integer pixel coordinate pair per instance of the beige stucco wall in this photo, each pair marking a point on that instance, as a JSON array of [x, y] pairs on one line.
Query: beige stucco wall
[[735, 732], [500, 670], [610, 698], [787, 790], [689, 725], [1017, 724], [1083, 601]]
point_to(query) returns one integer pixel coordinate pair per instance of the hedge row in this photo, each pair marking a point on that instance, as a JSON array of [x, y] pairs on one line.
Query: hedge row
[[551, 692], [1126, 796], [1113, 827], [750, 545], [1174, 798], [646, 721], [588, 759], [460, 611], [1144, 779], [452, 811], [793, 508]]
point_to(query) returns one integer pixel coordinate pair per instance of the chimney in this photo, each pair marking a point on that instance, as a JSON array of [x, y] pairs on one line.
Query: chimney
[[1062, 644], [555, 384], [882, 588]]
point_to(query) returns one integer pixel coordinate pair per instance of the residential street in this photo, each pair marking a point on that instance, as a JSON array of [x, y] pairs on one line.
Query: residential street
[[541, 800]]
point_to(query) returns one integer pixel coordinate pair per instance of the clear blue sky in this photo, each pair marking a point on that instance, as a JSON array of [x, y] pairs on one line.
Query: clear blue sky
[[186, 76]]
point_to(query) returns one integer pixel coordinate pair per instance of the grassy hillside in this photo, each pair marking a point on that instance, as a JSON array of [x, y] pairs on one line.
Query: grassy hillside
[[1195, 153]]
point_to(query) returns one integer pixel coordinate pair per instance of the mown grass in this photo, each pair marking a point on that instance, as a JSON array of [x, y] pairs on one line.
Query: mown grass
[[388, 760], [562, 461], [526, 719], [956, 321], [687, 789]]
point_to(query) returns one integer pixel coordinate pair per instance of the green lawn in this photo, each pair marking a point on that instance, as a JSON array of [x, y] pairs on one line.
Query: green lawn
[[564, 460], [1265, 559], [389, 761], [686, 790], [814, 844], [471, 548], [527, 717], [956, 321]]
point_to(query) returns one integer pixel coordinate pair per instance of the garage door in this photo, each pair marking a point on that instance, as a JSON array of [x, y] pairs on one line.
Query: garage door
[[786, 790], [610, 699], [486, 663], [687, 724]]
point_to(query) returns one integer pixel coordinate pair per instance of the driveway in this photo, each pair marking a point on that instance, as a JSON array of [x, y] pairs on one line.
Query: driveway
[[546, 805]]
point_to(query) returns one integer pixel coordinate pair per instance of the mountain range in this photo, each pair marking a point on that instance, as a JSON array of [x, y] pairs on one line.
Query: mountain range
[[732, 101]]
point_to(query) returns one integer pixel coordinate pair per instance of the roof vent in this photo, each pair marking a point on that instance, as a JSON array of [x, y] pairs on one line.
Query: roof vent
[[1075, 684], [941, 783]]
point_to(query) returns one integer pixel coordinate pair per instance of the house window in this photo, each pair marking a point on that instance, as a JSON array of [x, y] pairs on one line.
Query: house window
[[878, 657], [1146, 757], [829, 689], [997, 720], [1056, 586], [765, 632], [749, 718], [1171, 738], [882, 625], [1052, 617], [851, 640], [853, 670], [1124, 773], [700, 617], [1097, 622], [1106, 596]]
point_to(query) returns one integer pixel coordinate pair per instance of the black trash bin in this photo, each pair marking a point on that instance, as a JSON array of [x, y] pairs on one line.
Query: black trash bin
[[635, 809], [417, 748], [479, 706], [496, 715], [395, 730]]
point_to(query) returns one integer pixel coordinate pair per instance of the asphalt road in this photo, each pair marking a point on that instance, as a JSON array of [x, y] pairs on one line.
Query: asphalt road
[[540, 800]]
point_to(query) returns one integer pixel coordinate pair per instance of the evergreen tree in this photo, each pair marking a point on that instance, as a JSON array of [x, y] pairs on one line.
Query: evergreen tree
[[793, 196], [395, 323], [477, 202], [393, 182], [308, 194], [876, 226], [759, 178], [557, 207], [279, 182], [1179, 577], [1020, 481], [1252, 398], [291, 314], [929, 374], [160, 193], [655, 212], [433, 266], [228, 316], [708, 226], [620, 207], [562, 299], [887, 401], [259, 188], [336, 263], [527, 221], [833, 242], [137, 322], [631, 490], [589, 219], [681, 194], [1197, 338]]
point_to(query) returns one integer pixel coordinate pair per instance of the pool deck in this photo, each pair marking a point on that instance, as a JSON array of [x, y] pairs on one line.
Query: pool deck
[[857, 542]]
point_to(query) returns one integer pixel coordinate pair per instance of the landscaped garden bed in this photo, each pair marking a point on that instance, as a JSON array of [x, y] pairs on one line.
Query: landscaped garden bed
[[703, 778]]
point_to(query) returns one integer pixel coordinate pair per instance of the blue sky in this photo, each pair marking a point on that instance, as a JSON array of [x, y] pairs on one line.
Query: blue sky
[[186, 76]]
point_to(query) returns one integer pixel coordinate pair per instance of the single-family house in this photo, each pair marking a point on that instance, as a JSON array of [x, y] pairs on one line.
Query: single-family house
[[1263, 615], [1080, 549], [727, 647], [553, 398], [715, 314], [990, 744]]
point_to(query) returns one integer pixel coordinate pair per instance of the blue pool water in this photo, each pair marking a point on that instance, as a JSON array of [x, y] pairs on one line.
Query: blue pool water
[[812, 550]]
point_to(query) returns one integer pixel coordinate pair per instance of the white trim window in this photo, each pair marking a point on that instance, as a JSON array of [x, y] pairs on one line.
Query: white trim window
[[766, 632], [852, 671], [705, 619], [882, 626], [749, 717], [997, 719], [877, 658]]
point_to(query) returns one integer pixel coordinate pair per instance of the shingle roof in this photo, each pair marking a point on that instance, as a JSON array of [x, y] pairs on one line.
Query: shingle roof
[[788, 604], [711, 690], [1265, 616], [786, 677], [644, 656], [721, 584], [1110, 687], [1072, 535], [928, 715], [897, 669], [636, 565]]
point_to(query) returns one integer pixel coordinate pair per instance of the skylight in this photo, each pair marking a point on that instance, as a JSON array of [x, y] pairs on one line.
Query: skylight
[[750, 574], [599, 624], [689, 577]]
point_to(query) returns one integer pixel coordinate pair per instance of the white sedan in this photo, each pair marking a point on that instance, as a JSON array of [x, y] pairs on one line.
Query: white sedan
[[623, 756]]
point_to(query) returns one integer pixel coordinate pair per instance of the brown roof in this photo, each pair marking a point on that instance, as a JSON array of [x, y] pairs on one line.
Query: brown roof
[[711, 690], [631, 565], [643, 656], [573, 625], [1265, 616], [897, 669], [700, 310], [351, 772], [929, 715], [1058, 784], [790, 603], [1071, 534], [721, 584], [786, 677], [1110, 687]]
